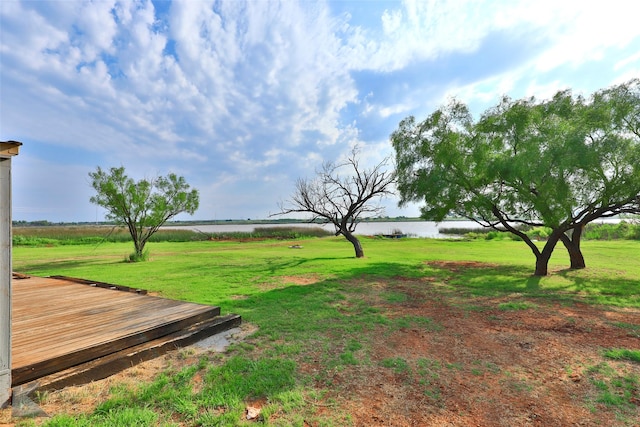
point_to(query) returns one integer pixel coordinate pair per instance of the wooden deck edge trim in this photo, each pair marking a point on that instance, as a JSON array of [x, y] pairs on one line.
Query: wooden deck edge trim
[[108, 365], [104, 285], [29, 373]]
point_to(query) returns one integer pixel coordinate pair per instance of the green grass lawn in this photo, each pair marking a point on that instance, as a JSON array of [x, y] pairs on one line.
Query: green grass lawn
[[220, 272], [313, 298]]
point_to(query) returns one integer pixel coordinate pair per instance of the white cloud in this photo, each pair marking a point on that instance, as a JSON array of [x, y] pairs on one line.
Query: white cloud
[[588, 32], [394, 109], [573, 32], [254, 60], [419, 31], [98, 27], [631, 60], [391, 21], [244, 93]]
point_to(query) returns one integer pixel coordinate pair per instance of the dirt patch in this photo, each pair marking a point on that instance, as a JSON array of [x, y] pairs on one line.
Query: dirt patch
[[504, 361], [300, 280], [280, 282], [485, 366], [456, 266]]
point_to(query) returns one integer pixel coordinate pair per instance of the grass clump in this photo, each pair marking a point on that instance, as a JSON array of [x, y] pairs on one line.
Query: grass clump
[[428, 371], [424, 323], [135, 257], [241, 378], [171, 398], [633, 330], [398, 364], [614, 388], [139, 417], [623, 354], [516, 305]]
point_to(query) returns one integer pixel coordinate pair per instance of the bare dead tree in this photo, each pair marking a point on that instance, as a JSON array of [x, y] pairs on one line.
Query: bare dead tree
[[342, 194]]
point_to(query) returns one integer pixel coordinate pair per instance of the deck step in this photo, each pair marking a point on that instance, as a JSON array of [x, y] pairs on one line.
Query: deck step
[[33, 371], [107, 365]]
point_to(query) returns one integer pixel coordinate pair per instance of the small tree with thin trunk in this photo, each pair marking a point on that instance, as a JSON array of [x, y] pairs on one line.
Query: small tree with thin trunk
[[342, 194], [143, 206]]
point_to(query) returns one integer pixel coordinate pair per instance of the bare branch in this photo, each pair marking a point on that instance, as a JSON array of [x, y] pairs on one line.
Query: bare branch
[[342, 194]]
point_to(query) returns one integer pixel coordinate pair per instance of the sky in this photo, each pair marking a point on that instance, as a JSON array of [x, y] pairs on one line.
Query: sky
[[243, 98]]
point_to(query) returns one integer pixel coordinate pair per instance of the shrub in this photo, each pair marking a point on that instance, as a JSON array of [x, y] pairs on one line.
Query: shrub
[[483, 232], [539, 233], [134, 257], [494, 235], [606, 231], [291, 232]]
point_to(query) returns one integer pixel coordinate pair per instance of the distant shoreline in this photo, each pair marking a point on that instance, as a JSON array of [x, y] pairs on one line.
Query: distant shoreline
[[44, 223]]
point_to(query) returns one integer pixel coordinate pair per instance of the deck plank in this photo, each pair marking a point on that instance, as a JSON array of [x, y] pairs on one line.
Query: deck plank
[[58, 323]]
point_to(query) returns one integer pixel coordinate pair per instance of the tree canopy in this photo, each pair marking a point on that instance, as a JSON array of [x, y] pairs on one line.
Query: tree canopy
[[342, 194], [559, 163], [142, 206]]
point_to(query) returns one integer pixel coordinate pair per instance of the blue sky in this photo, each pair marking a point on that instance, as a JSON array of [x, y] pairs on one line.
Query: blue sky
[[242, 98]]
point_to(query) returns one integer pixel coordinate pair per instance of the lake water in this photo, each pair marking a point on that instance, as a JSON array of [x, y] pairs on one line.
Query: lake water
[[411, 228]]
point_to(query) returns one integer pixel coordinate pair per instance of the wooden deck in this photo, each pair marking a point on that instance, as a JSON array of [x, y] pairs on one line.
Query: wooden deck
[[61, 323]]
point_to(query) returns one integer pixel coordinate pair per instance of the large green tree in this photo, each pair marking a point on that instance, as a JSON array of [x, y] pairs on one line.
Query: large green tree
[[143, 206], [559, 163]]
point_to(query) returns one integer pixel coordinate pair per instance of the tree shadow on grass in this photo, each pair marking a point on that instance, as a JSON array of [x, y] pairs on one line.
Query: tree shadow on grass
[[533, 284], [601, 286], [276, 265], [585, 285], [340, 307], [487, 279], [62, 265]]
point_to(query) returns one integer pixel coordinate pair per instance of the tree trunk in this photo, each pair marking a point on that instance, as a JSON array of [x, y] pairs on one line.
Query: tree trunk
[[357, 246], [138, 243], [543, 257], [542, 264], [139, 248], [573, 247]]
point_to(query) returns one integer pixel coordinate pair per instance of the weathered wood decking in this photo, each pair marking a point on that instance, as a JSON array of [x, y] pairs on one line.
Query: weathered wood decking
[[60, 323]]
